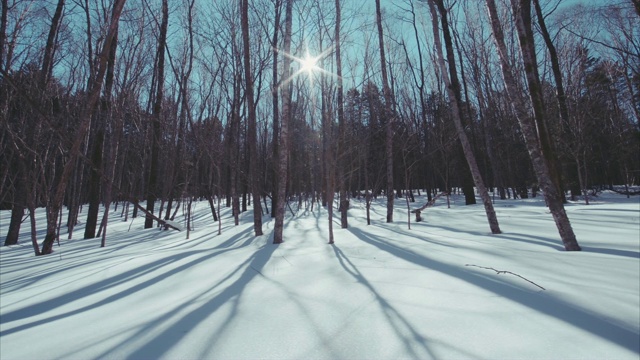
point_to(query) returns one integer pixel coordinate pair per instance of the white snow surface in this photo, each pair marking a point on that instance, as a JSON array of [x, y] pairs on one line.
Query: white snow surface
[[381, 292]]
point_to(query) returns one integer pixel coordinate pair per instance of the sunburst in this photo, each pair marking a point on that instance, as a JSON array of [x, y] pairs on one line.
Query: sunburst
[[308, 65]]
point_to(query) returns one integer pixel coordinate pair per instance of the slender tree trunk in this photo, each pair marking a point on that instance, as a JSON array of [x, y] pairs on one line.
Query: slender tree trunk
[[329, 159], [522, 12], [389, 115], [274, 100], [94, 93], [453, 92], [50, 48], [284, 129], [560, 94], [527, 123], [3, 31], [252, 136], [341, 158], [152, 185], [32, 221], [116, 132]]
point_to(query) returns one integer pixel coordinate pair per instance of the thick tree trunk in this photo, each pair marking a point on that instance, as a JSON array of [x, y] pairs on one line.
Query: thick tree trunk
[[252, 136], [528, 124], [95, 179], [389, 115], [453, 92], [17, 212], [284, 130]]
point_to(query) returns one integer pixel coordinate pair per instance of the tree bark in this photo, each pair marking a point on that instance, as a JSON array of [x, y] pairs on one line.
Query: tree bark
[[17, 212], [116, 134], [274, 100], [3, 30], [95, 178], [560, 94], [53, 210], [153, 186], [252, 135], [50, 48], [283, 157], [341, 159], [389, 115], [454, 94], [528, 124]]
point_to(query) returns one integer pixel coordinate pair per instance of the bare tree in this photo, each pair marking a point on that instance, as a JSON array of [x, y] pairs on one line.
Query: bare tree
[[152, 185], [453, 92], [252, 135], [528, 124], [390, 116], [342, 161], [283, 152], [3, 30], [53, 210]]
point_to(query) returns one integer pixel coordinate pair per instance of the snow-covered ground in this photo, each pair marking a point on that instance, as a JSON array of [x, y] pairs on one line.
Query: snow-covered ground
[[381, 292]]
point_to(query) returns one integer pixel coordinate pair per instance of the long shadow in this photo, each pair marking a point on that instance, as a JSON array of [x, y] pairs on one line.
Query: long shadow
[[556, 308], [532, 239], [173, 334], [394, 318], [104, 285], [51, 304], [616, 252]]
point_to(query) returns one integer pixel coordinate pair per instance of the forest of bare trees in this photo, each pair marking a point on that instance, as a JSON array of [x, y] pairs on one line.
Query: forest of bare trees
[[146, 106]]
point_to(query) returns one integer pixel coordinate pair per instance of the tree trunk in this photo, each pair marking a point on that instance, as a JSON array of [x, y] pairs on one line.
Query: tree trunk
[[50, 48], [116, 133], [95, 178], [152, 186], [522, 11], [560, 95], [53, 211], [453, 92], [252, 136], [3, 31], [276, 115], [528, 124], [329, 159], [389, 115], [284, 130], [17, 212], [341, 158]]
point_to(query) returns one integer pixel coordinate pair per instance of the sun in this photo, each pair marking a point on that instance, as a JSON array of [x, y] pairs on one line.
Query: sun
[[308, 64]]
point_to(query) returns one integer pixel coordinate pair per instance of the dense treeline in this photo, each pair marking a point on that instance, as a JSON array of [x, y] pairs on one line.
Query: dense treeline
[[193, 103]]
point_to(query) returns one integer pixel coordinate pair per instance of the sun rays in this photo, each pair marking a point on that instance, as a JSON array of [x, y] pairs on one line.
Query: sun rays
[[309, 65]]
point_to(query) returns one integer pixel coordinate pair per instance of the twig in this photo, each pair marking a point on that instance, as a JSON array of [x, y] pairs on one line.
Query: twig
[[506, 272]]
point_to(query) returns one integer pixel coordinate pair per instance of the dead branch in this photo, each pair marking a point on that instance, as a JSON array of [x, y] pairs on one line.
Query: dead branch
[[166, 224], [506, 272], [428, 204]]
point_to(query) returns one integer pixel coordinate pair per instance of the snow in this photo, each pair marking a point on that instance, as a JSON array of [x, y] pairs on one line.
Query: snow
[[381, 292]]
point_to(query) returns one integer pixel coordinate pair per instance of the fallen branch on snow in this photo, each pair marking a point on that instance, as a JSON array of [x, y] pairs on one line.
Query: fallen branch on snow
[[506, 272]]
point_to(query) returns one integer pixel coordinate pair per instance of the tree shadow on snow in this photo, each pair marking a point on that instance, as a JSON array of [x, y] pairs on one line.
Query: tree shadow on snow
[[541, 303], [414, 342], [175, 330]]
